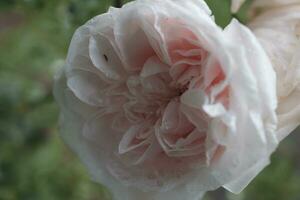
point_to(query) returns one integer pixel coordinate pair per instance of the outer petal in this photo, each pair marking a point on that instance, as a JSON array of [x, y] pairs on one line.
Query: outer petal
[[180, 193], [85, 52], [87, 86], [254, 107], [72, 118], [283, 26]]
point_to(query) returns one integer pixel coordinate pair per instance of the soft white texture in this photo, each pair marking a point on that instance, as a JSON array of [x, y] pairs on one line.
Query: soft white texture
[[162, 104], [278, 30]]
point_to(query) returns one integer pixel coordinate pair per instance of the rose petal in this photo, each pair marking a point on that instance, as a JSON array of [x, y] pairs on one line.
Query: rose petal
[[153, 66], [104, 57], [88, 87]]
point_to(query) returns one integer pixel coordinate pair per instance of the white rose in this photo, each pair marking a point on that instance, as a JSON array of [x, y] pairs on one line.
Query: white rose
[[278, 30], [160, 103]]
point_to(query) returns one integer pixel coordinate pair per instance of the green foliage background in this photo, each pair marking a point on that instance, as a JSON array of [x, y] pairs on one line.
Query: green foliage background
[[34, 163]]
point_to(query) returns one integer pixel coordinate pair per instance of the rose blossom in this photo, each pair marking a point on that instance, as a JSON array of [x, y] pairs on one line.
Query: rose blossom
[[278, 30], [160, 103]]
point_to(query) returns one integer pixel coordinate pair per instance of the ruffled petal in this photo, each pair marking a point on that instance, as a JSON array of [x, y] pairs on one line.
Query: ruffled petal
[[104, 57], [281, 24], [88, 87]]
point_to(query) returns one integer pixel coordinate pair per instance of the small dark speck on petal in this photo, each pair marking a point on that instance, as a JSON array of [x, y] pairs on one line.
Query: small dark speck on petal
[[105, 57]]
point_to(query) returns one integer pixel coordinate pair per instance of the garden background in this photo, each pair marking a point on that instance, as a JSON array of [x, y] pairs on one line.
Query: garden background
[[34, 162]]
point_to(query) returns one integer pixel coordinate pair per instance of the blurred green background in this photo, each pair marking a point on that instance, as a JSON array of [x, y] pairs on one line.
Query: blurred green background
[[34, 162]]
